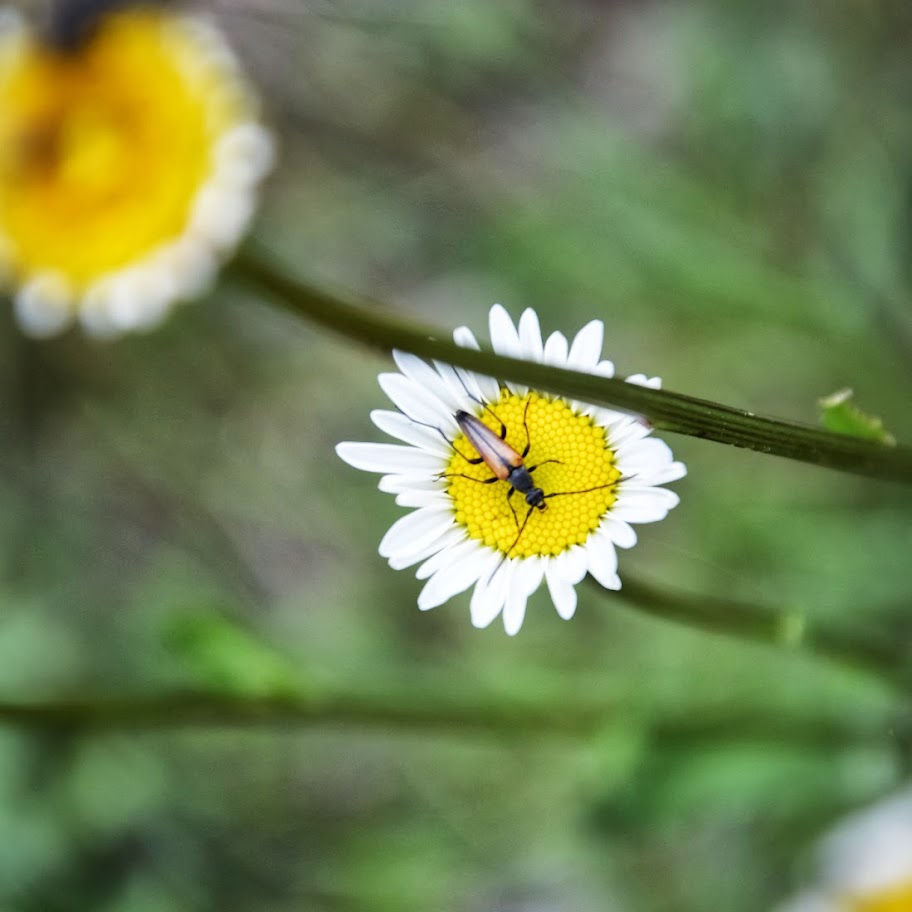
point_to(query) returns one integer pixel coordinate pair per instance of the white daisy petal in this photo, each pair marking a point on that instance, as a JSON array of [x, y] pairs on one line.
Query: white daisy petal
[[639, 491], [556, 349], [864, 862], [643, 380], [399, 484], [464, 336], [584, 356], [457, 554], [811, 902], [451, 580], [646, 454], [648, 461], [603, 560], [527, 577], [403, 428], [418, 403], [44, 306], [571, 564], [465, 396], [587, 347], [505, 341], [609, 418], [644, 505], [480, 386], [563, 593], [491, 591], [419, 498], [663, 475], [427, 378], [504, 337], [530, 574], [451, 537], [625, 431], [414, 531], [530, 339], [488, 388], [605, 368], [514, 612], [388, 457], [622, 534], [245, 154]]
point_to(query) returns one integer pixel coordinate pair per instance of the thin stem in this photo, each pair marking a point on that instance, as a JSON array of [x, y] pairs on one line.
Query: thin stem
[[442, 714], [667, 411], [350, 709], [887, 659]]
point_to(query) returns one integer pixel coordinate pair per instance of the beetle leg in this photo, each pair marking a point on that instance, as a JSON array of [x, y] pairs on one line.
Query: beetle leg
[[474, 461], [463, 475], [512, 509]]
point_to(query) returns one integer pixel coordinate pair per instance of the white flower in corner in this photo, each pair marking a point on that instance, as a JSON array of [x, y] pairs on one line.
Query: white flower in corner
[[865, 864]]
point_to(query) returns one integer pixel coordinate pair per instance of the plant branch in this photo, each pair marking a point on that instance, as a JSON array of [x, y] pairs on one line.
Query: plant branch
[[368, 323], [441, 714], [887, 659], [370, 709]]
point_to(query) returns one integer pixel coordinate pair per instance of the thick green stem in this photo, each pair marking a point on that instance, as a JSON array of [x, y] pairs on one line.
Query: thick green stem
[[444, 715], [667, 411], [441, 712]]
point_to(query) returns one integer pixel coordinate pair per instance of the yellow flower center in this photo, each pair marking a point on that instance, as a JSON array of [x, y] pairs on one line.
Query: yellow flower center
[[894, 899], [568, 458], [103, 150]]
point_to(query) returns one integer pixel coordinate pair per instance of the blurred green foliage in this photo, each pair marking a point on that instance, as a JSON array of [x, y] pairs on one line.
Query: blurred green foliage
[[727, 186]]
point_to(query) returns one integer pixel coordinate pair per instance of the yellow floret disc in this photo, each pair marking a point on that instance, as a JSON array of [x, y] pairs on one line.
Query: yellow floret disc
[[569, 459], [103, 150], [897, 899]]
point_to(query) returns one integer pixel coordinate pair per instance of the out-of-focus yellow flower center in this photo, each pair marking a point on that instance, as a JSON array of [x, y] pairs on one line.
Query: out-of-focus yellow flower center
[[553, 431], [103, 150], [894, 899]]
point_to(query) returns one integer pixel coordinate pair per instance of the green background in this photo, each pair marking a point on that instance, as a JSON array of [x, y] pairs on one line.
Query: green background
[[727, 186]]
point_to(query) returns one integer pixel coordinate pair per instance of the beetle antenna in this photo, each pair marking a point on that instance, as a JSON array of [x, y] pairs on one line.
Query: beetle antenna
[[428, 425], [461, 378], [476, 400]]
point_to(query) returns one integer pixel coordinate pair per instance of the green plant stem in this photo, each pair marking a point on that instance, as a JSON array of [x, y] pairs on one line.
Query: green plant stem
[[442, 714], [674, 412], [886, 659], [350, 709]]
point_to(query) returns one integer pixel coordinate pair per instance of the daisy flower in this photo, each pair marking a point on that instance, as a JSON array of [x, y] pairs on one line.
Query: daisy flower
[[592, 472], [865, 864], [129, 165]]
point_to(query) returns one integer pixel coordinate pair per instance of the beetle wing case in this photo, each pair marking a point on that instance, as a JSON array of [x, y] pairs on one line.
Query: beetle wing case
[[497, 454]]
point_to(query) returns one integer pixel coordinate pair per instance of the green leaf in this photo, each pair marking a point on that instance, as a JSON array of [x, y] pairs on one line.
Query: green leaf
[[840, 414], [223, 656]]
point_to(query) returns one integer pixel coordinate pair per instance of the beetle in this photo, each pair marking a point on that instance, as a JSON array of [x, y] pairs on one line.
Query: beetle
[[508, 465]]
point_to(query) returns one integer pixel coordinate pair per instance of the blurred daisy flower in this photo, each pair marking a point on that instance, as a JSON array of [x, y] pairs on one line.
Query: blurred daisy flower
[[129, 164], [865, 864], [592, 472]]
